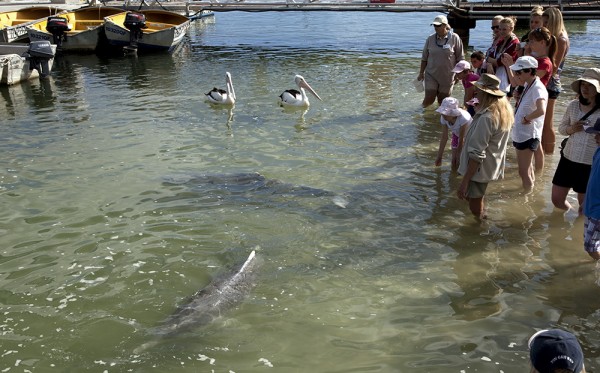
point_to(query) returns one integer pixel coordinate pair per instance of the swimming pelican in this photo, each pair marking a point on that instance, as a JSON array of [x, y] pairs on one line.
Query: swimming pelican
[[293, 97], [220, 96]]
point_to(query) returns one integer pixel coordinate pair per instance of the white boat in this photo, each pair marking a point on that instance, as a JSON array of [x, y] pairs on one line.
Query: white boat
[[14, 23], [79, 30], [20, 61], [148, 30]]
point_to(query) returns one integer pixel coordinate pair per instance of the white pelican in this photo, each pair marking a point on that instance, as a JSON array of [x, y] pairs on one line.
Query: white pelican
[[293, 97], [220, 96]]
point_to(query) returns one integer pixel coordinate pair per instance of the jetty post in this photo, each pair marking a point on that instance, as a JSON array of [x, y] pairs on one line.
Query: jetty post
[[461, 26]]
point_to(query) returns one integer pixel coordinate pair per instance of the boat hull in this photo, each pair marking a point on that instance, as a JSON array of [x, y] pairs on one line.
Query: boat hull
[[14, 67], [165, 30], [14, 24], [87, 27]]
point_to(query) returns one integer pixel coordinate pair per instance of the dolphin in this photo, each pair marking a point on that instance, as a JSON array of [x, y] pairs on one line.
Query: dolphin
[[209, 303]]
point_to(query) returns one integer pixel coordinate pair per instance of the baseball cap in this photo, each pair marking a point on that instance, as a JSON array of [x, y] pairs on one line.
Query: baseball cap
[[555, 349], [439, 20], [461, 66], [525, 62]]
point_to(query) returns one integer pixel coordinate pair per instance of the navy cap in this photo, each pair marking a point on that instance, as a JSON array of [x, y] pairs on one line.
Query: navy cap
[[555, 349]]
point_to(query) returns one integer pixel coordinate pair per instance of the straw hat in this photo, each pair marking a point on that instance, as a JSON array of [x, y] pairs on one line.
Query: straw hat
[[591, 76], [490, 84]]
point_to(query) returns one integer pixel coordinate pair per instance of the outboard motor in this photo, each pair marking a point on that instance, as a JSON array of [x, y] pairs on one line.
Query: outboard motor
[[135, 23], [58, 27], [39, 55]]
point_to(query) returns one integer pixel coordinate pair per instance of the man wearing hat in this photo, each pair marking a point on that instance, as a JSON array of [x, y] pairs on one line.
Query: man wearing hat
[[530, 110], [591, 204], [555, 350], [442, 51]]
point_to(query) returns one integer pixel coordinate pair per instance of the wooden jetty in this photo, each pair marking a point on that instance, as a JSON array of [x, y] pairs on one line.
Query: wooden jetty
[[462, 14]]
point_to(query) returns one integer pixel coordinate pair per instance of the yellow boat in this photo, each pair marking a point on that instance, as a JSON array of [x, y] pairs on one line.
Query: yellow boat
[[14, 23], [78, 30], [147, 30]]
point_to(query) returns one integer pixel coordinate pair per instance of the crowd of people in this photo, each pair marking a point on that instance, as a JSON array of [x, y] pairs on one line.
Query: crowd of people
[[510, 92]]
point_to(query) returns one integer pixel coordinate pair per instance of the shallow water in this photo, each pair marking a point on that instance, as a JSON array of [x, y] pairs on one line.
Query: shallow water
[[368, 260]]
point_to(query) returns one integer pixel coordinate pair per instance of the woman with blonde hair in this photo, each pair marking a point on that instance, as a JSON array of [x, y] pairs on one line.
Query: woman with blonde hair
[[507, 45], [484, 151], [553, 21]]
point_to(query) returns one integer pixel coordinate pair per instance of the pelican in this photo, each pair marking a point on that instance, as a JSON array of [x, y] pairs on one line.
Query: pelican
[[220, 96], [293, 97]]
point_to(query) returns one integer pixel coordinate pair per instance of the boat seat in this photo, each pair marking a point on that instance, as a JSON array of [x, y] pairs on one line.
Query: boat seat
[[19, 21], [87, 24]]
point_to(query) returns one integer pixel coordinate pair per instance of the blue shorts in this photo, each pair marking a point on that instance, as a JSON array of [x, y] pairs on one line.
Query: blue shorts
[[531, 144], [591, 235]]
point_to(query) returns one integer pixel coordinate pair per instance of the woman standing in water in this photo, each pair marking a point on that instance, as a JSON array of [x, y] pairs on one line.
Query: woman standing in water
[[484, 152], [575, 165], [553, 21], [442, 51]]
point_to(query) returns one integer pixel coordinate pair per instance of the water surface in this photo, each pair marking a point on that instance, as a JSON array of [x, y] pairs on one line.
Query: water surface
[[369, 261]]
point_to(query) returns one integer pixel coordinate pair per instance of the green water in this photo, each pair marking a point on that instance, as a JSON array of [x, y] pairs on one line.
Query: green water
[[108, 223]]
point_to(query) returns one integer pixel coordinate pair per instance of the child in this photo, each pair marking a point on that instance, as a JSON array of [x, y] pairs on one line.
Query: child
[[529, 117], [591, 203], [478, 62], [467, 77], [457, 120]]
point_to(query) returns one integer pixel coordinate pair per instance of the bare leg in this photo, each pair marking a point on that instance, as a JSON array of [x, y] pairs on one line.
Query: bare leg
[[548, 135], [595, 255], [429, 98], [441, 96], [476, 206], [580, 199], [539, 158], [524, 158], [559, 197]]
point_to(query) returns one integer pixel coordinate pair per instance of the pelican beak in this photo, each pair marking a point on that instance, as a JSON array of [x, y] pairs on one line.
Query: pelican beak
[[230, 84], [306, 86]]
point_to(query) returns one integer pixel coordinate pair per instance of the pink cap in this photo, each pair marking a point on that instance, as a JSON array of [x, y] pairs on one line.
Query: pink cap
[[461, 66]]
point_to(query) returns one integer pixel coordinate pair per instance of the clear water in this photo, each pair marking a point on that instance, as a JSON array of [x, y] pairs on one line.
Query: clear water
[[369, 263]]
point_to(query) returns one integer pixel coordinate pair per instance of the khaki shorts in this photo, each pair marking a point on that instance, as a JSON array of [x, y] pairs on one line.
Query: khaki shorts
[[476, 190], [432, 84]]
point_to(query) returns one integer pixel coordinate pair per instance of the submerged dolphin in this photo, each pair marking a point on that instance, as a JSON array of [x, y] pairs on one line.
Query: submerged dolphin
[[210, 302]]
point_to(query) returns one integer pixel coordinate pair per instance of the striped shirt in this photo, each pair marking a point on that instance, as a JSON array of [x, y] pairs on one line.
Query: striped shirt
[[581, 146]]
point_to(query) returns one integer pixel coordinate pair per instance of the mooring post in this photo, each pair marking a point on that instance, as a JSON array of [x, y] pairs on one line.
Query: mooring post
[[461, 27]]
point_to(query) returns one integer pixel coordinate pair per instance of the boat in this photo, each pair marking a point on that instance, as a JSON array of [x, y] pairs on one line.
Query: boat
[[147, 30], [22, 61], [79, 30], [14, 24]]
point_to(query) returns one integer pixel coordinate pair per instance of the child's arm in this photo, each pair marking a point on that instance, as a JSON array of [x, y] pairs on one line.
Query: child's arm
[[469, 94], [443, 141]]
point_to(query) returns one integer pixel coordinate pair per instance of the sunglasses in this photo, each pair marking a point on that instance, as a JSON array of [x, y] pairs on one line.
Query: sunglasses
[[440, 25], [495, 27], [519, 72]]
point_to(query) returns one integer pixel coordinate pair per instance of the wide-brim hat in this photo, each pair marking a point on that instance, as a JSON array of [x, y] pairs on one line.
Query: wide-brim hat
[[490, 84], [450, 107], [592, 76]]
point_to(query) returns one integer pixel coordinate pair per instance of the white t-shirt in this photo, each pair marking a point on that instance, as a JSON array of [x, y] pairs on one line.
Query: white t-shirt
[[522, 132], [464, 119]]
